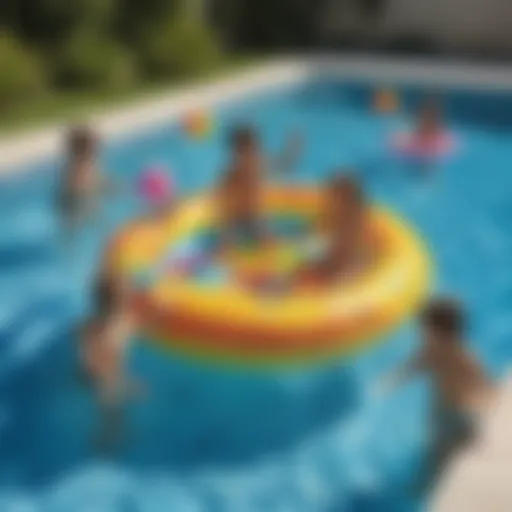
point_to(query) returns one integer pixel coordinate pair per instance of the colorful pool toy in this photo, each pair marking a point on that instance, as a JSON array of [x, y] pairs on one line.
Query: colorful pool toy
[[155, 186], [231, 323], [197, 124], [386, 101], [409, 145]]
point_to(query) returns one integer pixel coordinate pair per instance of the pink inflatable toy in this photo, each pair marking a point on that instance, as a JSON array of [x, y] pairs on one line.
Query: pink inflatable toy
[[409, 145], [156, 186]]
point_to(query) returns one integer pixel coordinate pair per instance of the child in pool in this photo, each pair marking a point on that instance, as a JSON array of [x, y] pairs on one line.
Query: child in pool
[[104, 344], [83, 182], [348, 248], [240, 194], [461, 390], [430, 123]]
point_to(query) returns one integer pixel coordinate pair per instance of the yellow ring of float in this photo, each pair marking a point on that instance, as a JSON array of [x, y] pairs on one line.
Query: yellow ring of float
[[232, 324]]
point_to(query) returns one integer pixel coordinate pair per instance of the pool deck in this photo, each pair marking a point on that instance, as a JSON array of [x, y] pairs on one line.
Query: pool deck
[[17, 150], [481, 478]]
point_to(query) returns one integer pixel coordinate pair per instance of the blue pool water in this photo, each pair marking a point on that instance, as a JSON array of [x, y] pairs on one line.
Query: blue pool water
[[212, 439]]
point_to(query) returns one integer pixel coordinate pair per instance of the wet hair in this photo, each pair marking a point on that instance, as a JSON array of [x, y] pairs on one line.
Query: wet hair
[[347, 184], [81, 140], [243, 136], [444, 316]]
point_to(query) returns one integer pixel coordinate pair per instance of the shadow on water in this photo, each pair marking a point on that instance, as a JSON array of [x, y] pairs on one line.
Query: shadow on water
[[193, 416]]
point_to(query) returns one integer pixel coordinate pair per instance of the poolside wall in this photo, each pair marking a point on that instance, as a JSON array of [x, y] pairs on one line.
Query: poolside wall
[[470, 26], [454, 24]]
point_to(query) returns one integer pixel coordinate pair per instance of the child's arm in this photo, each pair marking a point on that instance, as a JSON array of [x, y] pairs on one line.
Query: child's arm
[[405, 373], [290, 154]]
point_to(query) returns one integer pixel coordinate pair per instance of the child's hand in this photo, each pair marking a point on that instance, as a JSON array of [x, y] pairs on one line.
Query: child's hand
[[291, 152]]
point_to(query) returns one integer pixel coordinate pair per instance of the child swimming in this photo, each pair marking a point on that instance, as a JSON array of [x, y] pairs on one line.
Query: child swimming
[[430, 126], [461, 390], [240, 194], [429, 141], [104, 344], [82, 183]]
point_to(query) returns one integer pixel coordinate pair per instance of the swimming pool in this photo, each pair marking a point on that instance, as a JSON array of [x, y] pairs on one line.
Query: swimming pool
[[209, 439]]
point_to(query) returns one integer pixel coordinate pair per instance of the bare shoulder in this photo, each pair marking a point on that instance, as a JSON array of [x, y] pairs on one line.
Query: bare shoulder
[[473, 367]]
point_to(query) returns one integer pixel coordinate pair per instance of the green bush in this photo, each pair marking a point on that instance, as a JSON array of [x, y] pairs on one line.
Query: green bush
[[179, 47], [48, 22], [90, 61], [21, 77]]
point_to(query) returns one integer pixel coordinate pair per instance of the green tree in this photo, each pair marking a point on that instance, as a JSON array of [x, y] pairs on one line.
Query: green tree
[[46, 22], [87, 59], [180, 44], [20, 73]]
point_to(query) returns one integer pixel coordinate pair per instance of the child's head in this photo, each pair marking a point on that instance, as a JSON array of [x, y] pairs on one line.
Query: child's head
[[244, 140], [346, 194], [82, 142], [443, 319]]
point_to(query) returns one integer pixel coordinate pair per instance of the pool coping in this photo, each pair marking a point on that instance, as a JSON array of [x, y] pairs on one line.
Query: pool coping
[[24, 148], [479, 477]]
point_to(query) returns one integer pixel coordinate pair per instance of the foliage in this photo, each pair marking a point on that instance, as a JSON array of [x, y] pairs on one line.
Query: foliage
[[104, 43], [178, 46], [136, 17], [90, 60], [20, 73], [45, 22]]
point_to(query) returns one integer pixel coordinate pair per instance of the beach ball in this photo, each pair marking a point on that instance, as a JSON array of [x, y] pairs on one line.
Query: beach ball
[[386, 101], [197, 125], [155, 185]]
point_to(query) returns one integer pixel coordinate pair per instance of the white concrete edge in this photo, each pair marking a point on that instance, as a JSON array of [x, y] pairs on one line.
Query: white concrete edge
[[426, 72], [119, 121], [46, 142], [485, 468]]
